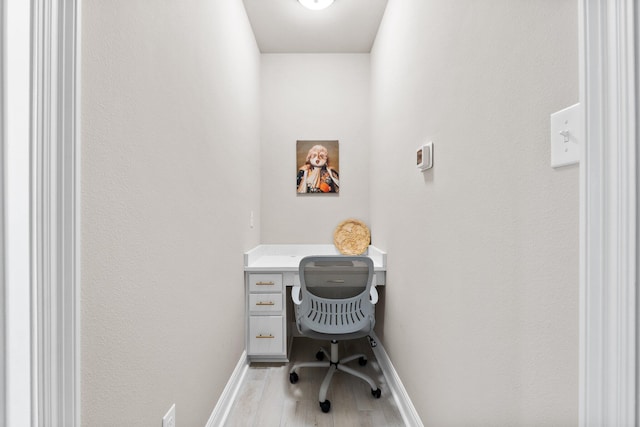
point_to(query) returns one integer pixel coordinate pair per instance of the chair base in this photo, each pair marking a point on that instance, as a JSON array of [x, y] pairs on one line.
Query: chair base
[[334, 364]]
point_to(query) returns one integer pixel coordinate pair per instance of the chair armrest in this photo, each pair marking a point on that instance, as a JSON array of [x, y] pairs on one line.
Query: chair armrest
[[373, 293], [295, 295]]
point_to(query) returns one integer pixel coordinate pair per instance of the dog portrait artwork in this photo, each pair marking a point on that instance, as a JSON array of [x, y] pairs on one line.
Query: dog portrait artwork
[[318, 163]]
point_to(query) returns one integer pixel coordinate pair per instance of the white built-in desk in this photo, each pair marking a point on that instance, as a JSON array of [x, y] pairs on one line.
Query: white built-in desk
[[268, 271]]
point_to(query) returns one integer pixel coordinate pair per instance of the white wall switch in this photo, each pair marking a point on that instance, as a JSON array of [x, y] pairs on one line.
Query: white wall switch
[[424, 156], [566, 131], [169, 419]]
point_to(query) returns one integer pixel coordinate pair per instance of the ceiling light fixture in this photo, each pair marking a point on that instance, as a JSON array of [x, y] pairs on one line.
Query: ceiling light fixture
[[316, 4]]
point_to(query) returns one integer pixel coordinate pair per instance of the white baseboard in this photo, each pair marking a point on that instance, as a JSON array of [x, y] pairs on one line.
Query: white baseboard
[[221, 411], [405, 406]]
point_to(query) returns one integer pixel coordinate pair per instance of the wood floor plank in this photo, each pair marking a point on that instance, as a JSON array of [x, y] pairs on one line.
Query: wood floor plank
[[271, 404], [245, 406], [343, 408], [289, 411]]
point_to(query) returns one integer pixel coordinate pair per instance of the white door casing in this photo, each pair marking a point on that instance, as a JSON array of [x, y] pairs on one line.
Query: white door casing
[[608, 214], [56, 255]]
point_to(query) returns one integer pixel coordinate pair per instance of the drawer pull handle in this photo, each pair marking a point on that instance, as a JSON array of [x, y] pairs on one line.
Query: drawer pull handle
[[265, 336], [265, 303], [265, 283]]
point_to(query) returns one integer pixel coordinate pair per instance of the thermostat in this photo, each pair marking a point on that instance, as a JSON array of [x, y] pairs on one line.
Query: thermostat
[[424, 156]]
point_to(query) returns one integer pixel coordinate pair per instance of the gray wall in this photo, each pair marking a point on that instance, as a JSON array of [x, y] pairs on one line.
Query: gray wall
[[170, 132], [481, 316], [313, 97]]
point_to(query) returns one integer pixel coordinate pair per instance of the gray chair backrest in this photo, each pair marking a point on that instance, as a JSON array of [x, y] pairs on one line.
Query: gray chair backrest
[[335, 293]]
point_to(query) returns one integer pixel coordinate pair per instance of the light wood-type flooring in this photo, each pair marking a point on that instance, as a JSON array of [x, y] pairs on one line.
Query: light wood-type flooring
[[268, 399]]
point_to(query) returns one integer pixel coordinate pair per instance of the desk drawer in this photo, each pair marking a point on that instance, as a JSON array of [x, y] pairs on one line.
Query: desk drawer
[[266, 335], [265, 303], [265, 282]]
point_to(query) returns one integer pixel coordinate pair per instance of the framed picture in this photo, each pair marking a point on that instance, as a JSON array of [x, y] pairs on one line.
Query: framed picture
[[318, 163]]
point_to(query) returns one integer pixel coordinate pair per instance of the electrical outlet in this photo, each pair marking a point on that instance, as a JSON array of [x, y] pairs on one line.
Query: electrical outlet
[[169, 419]]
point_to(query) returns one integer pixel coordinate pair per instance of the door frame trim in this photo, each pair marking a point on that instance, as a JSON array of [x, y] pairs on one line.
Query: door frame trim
[[608, 214], [56, 227]]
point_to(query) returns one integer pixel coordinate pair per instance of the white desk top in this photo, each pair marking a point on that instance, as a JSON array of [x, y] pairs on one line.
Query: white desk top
[[287, 257]]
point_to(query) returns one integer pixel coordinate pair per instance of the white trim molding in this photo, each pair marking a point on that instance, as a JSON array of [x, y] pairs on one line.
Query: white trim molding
[[3, 207], [608, 215], [18, 209], [56, 221], [403, 401], [221, 411]]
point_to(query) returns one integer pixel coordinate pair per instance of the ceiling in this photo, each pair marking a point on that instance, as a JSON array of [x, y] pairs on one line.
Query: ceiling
[[285, 26]]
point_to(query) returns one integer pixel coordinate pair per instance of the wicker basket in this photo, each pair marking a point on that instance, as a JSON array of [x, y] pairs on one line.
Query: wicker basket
[[352, 237]]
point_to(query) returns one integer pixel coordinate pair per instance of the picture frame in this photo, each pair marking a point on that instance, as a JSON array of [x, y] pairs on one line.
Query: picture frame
[[318, 165]]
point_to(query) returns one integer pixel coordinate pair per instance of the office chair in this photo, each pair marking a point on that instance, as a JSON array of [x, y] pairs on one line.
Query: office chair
[[335, 301]]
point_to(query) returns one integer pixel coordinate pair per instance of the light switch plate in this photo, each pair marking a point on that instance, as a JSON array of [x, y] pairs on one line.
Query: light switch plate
[[424, 156], [566, 131]]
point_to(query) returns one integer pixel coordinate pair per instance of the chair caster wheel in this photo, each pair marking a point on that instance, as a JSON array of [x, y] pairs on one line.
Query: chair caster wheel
[[293, 378], [320, 355], [376, 393], [362, 361], [325, 406]]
